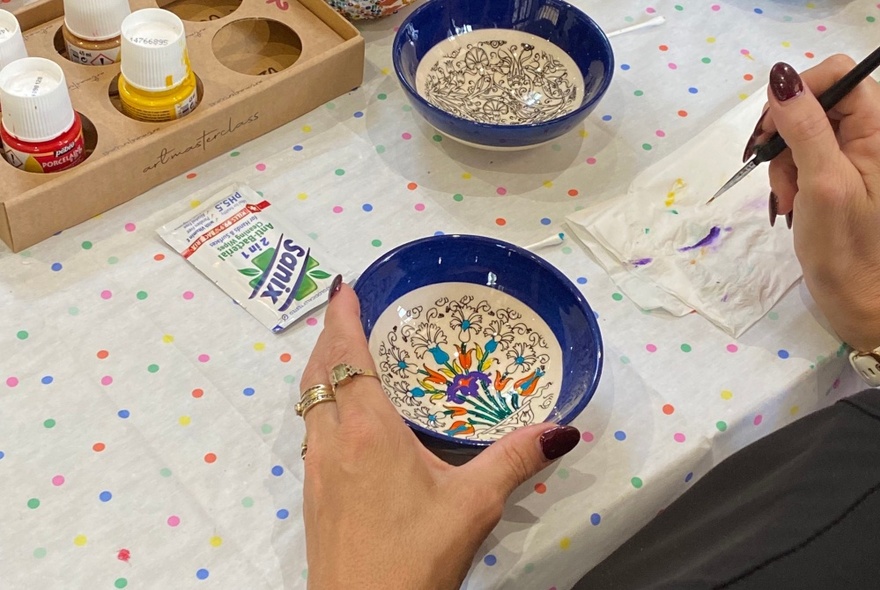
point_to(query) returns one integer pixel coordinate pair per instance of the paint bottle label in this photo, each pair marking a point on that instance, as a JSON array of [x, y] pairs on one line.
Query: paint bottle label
[[93, 57], [63, 158], [268, 267], [186, 106], [165, 113]]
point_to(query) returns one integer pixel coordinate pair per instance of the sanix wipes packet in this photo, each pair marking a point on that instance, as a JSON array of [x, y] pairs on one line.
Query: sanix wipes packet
[[236, 239]]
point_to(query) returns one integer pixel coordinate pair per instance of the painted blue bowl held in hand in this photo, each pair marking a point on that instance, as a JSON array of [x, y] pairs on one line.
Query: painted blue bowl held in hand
[[502, 74], [474, 337]]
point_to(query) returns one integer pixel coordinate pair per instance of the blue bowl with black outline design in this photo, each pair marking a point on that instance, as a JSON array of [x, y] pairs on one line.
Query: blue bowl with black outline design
[[502, 75], [474, 337]]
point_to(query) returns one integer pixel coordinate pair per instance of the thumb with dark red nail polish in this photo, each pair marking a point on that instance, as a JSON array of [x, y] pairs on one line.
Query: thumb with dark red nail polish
[[559, 441]]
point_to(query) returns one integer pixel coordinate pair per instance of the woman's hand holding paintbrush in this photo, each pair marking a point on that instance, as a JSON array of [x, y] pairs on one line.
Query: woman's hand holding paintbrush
[[827, 184], [774, 144]]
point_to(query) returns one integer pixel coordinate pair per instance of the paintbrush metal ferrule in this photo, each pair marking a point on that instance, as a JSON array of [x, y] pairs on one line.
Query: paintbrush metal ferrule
[[744, 171]]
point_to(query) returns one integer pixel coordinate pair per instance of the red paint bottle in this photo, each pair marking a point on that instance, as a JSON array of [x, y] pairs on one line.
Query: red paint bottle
[[40, 130]]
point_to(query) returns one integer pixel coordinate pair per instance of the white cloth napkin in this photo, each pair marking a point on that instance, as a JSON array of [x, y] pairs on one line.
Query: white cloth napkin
[[665, 248]]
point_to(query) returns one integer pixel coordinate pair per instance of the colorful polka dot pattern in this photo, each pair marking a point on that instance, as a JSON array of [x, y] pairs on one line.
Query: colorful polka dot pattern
[[178, 452]]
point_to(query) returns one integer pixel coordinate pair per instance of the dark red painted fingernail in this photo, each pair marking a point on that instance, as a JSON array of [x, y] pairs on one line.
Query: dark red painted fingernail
[[789, 219], [774, 208], [335, 286], [785, 82], [750, 149], [753, 140], [558, 441]]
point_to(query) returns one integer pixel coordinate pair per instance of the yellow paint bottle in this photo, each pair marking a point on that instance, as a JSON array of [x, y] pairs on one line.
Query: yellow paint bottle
[[156, 82]]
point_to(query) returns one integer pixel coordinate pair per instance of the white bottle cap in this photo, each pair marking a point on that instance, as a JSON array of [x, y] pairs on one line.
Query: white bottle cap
[[95, 20], [11, 41], [36, 104], [153, 50]]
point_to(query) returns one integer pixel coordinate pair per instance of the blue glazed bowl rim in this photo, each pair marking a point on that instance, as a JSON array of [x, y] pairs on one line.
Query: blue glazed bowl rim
[[565, 283], [597, 95]]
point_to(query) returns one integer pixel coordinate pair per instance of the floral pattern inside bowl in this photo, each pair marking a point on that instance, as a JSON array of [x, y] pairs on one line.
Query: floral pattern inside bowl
[[467, 361], [474, 337], [500, 76]]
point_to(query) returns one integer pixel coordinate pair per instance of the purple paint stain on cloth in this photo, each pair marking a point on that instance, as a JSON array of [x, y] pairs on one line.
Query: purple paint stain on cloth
[[707, 241], [642, 261]]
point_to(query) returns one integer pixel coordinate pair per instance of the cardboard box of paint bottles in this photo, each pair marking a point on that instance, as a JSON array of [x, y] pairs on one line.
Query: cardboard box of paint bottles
[[259, 64]]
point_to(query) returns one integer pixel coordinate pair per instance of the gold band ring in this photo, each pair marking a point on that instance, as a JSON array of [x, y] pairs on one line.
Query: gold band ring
[[343, 373], [311, 397], [314, 389], [302, 450]]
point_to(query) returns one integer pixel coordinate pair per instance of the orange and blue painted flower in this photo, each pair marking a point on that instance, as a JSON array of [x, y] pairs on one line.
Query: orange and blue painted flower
[[466, 368], [460, 428]]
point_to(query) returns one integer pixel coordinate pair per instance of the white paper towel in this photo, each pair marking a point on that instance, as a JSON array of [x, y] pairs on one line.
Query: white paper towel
[[665, 248]]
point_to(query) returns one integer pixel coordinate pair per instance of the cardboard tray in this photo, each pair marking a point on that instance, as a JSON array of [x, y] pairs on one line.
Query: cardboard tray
[[260, 65]]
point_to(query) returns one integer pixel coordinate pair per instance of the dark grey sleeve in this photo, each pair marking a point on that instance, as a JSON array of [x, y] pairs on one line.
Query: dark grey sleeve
[[797, 509]]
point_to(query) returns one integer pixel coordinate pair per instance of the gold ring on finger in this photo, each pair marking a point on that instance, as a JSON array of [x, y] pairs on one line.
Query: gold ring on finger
[[302, 450], [311, 397], [343, 373]]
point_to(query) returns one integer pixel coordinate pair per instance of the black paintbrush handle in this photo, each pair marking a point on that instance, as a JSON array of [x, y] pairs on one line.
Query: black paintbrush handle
[[767, 151]]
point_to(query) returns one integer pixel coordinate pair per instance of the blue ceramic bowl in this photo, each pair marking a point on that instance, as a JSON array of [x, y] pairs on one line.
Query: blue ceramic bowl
[[517, 79], [474, 337]]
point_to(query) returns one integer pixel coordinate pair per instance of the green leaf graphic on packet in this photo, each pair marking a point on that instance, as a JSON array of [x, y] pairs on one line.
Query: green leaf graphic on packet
[[268, 267], [308, 285]]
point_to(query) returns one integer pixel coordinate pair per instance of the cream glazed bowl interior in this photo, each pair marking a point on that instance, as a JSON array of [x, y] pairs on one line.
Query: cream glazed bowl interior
[[474, 337]]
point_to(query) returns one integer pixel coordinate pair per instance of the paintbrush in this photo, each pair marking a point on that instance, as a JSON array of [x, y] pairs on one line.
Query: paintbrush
[[767, 151]]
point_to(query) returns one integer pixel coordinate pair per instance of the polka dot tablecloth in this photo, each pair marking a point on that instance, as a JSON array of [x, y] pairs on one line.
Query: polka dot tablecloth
[[147, 436]]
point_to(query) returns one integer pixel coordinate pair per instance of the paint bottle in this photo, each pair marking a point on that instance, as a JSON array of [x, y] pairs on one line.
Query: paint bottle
[[156, 82], [40, 130], [11, 41], [91, 30]]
